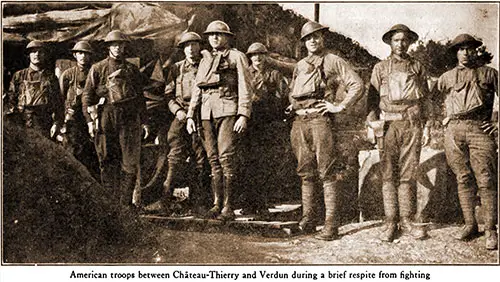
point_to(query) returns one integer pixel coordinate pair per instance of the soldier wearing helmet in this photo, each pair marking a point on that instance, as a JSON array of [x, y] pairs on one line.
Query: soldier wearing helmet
[[402, 97], [178, 92], [114, 108], [71, 83], [34, 93], [268, 102], [224, 91], [466, 97], [315, 82]]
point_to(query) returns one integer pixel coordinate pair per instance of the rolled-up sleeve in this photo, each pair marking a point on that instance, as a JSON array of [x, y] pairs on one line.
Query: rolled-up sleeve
[[352, 81]]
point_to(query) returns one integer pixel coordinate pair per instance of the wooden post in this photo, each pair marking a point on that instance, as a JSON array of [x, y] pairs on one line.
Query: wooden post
[[316, 12]]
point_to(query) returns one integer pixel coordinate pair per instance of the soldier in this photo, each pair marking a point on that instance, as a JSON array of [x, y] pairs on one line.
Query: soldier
[[71, 83], [468, 92], [264, 129], [179, 88], [401, 84], [314, 86], [224, 91], [114, 107], [34, 93]]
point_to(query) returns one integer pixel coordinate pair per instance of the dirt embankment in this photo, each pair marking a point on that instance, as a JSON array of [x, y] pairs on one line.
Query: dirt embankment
[[53, 210]]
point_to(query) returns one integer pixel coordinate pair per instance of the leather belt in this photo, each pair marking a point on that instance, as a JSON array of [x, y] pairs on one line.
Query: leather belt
[[305, 112]]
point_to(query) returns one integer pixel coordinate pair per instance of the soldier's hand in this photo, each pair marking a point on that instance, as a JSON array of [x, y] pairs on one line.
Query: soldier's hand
[[241, 124], [92, 129], [289, 110], [327, 107], [426, 136], [145, 129], [489, 127], [53, 130], [181, 115], [190, 126]]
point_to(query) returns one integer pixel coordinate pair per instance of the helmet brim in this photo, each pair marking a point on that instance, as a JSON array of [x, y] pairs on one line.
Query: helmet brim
[[388, 36], [222, 32], [322, 29]]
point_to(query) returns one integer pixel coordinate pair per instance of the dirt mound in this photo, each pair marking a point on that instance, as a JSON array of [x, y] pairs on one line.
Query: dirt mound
[[53, 210]]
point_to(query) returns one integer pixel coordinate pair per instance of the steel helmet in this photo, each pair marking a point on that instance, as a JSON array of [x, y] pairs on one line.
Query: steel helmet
[[35, 44], [309, 28], [116, 36], [464, 39], [257, 48], [399, 28], [188, 37], [218, 27], [82, 46]]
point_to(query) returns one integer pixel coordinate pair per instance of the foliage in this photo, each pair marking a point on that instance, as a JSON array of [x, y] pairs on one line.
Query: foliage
[[438, 58]]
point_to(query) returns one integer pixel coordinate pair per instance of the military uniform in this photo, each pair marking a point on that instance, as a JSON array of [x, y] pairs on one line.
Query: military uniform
[[262, 142], [118, 138], [77, 141], [179, 88], [401, 83], [316, 79], [467, 98], [35, 95], [224, 92]]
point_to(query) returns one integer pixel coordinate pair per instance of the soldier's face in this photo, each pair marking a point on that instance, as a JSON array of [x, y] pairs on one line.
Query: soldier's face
[[117, 49], [400, 43], [258, 59], [218, 40], [466, 55], [82, 58], [314, 42], [37, 56], [192, 49]]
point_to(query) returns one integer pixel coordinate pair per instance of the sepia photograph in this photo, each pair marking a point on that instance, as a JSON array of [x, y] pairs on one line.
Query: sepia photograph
[[246, 133]]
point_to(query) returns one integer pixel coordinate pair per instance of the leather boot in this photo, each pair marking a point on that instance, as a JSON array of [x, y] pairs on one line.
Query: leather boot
[[490, 208], [227, 212], [127, 185], [168, 190], [469, 230], [307, 223], [331, 230], [390, 197], [491, 237], [199, 198], [407, 203], [217, 194], [418, 232]]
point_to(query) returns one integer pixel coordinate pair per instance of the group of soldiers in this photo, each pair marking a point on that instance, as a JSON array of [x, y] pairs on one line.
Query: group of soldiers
[[218, 99]]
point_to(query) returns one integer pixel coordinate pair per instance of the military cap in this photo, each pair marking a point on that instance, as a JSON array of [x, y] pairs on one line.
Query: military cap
[[82, 46], [310, 28], [399, 28], [188, 37], [218, 27], [116, 36], [257, 48], [464, 39]]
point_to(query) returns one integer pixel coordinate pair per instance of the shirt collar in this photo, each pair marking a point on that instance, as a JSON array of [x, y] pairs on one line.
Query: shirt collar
[[316, 56], [189, 64], [405, 58], [223, 52]]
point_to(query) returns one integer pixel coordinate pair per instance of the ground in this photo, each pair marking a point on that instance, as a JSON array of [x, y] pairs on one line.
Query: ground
[[358, 245]]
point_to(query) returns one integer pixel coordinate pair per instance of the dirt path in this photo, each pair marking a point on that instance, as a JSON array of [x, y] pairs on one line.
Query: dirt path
[[359, 245]]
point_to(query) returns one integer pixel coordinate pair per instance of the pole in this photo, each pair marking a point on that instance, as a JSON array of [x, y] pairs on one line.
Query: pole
[[316, 12]]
